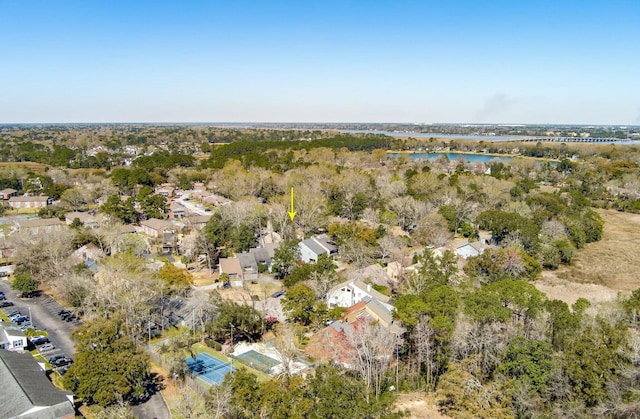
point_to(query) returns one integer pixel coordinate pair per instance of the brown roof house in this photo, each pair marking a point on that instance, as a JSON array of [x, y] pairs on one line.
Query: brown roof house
[[30, 201], [231, 267], [41, 225], [87, 219], [27, 393], [154, 227], [8, 193]]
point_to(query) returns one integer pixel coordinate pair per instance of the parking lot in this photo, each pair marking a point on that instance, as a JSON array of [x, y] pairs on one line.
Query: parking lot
[[43, 311]]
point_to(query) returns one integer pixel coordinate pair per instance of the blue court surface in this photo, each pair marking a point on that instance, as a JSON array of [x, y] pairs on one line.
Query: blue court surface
[[209, 369]]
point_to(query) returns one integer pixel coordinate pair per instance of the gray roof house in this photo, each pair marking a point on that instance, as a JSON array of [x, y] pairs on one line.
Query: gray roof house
[[265, 254], [27, 393], [314, 247], [249, 265]]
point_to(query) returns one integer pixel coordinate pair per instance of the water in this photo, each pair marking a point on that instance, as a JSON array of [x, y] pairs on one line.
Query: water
[[434, 135], [490, 138], [469, 157]]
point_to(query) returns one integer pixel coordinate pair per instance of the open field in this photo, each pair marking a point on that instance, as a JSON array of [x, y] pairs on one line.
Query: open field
[[601, 270], [31, 166]]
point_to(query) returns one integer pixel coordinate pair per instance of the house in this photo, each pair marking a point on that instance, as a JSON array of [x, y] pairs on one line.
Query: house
[[11, 337], [352, 292], [30, 201], [176, 210], [264, 255], [231, 267], [467, 250], [312, 248], [154, 227], [196, 222], [330, 343], [8, 193], [334, 343], [166, 191], [374, 274], [169, 241], [41, 225], [87, 219], [249, 266], [89, 254], [375, 310], [27, 393]]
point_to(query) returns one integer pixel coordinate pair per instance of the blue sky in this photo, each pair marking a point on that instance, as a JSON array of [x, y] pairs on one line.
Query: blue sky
[[511, 61]]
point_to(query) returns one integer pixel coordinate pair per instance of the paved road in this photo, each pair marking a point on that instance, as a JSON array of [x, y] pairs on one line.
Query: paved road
[[154, 408], [44, 316]]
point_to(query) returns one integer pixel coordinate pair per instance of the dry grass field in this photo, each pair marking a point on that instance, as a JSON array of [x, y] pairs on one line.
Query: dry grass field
[[601, 270], [31, 166]]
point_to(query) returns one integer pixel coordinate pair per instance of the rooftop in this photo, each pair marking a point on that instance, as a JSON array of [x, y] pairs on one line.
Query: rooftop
[[26, 391]]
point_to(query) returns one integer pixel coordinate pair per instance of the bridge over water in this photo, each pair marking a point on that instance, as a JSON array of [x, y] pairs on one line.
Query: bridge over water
[[574, 140]]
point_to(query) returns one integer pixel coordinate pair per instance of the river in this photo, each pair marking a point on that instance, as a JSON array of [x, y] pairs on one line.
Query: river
[[469, 157]]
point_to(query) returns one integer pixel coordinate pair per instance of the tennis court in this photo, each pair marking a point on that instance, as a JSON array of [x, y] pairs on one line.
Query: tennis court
[[209, 369], [258, 361]]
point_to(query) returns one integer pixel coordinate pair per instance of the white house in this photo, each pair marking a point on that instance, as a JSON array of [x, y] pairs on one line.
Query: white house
[[313, 247], [11, 337], [352, 292]]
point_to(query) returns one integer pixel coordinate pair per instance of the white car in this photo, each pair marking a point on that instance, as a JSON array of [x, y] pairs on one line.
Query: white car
[[46, 347]]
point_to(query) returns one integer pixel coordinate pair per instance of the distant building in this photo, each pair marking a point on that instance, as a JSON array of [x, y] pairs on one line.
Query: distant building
[[166, 191], [154, 227], [87, 219], [27, 393], [177, 210], [8, 193], [30, 201], [41, 225]]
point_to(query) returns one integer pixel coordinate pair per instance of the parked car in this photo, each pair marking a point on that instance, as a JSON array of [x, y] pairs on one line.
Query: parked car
[[26, 325], [278, 294], [46, 347], [4, 304], [2, 296], [55, 358], [61, 362], [19, 319], [14, 313], [39, 340]]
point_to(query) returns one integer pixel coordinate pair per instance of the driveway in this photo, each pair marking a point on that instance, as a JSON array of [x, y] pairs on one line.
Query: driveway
[[154, 408], [44, 316]]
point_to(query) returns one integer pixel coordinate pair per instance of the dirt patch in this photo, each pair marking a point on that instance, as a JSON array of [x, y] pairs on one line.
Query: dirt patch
[[419, 405], [602, 270], [203, 277]]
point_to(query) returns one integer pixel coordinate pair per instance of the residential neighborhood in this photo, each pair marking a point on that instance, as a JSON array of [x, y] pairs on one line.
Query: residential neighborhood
[[373, 280]]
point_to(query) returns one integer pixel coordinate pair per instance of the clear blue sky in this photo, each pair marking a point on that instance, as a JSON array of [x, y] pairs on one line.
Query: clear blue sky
[[515, 61]]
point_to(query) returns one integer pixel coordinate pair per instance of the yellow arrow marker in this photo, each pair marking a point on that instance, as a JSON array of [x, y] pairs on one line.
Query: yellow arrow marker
[[292, 212]]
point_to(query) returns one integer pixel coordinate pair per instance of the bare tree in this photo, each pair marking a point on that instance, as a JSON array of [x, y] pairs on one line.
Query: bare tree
[[369, 350]]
